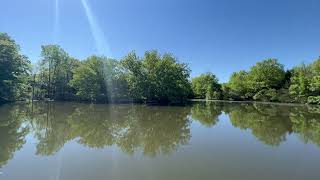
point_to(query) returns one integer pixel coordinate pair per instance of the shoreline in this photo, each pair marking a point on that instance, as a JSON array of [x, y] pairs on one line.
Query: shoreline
[[179, 104], [252, 102]]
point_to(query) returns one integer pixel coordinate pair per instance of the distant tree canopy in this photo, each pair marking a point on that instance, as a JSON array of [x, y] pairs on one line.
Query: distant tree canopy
[[14, 70], [206, 86], [266, 81], [154, 77], [261, 82]]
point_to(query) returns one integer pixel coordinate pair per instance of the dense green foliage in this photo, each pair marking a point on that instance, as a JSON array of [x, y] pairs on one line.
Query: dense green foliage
[[237, 86], [14, 70], [267, 81], [153, 78], [55, 73], [261, 82], [99, 79], [305, 83], [206, 86], [157, 78]]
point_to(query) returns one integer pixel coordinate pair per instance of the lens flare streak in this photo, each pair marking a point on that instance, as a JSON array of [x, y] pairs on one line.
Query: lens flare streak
[[97, 33], [56, 22]]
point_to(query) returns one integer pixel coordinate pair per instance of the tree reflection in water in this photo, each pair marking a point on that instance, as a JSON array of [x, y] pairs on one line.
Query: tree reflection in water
[[12, 132], [269, 123], [207, 113], [152, 130], [306, 122]]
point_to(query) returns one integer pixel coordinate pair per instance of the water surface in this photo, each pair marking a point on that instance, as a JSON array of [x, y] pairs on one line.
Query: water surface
[[73, 141]]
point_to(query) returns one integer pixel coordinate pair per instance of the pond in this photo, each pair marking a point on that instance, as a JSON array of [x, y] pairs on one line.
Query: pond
[[208, 140]]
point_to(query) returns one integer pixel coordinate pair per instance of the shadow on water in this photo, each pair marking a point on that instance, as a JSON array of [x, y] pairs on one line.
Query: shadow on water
[[152, 130]]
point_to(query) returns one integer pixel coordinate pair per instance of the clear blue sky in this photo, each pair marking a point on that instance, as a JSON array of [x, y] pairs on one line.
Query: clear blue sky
[[221, 36]]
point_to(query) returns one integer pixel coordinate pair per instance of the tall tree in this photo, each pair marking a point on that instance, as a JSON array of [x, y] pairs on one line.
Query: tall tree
[[14, 70], [56, 70]]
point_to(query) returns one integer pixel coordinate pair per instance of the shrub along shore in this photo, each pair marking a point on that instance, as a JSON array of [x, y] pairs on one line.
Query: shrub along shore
[[153, 78]]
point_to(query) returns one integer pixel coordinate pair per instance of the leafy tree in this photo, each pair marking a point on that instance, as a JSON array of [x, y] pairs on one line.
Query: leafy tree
[[56, 72], [152, 78], [206, 86], [300, 82], [157, 78], [226, 91], [314, 100], [99, 79], [266, 74], [283, 95], [89, 80], [260, 83], [315, 67], [135, 75], [315, 81], [315, 85], [238, 85], [305, 83], [14, 70], [172, 84], [266, 95]]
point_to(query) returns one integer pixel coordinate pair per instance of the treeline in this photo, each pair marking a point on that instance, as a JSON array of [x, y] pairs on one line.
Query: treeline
[[265, 81], [153, 78]]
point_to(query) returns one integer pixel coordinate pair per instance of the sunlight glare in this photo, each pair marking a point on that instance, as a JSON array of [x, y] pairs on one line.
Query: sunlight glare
[[97, 33]]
